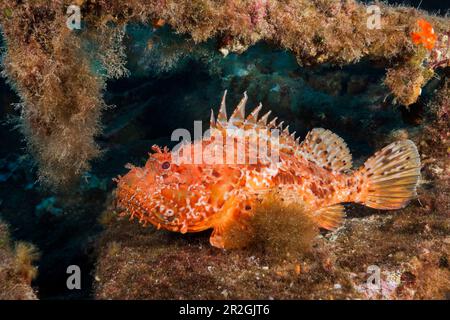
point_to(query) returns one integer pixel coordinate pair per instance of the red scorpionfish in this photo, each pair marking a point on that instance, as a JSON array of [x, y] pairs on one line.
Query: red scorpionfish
[[188, 197]]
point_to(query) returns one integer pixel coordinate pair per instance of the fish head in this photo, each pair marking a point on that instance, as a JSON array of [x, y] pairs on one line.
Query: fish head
[[157, 191]]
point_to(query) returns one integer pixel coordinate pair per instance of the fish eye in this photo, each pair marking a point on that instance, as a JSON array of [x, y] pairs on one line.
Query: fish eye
[[165, 165]]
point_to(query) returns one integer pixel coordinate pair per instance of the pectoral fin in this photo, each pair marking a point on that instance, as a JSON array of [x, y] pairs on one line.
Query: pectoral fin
[[232, 230]]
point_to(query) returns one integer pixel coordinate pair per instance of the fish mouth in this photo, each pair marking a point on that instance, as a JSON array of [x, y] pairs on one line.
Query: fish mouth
[[134, 202]]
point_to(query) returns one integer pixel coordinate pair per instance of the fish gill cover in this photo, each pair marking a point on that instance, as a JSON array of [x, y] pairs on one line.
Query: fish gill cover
[[99, 82]]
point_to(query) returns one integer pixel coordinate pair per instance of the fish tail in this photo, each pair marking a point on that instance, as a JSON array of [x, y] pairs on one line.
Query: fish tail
[[390, 177]]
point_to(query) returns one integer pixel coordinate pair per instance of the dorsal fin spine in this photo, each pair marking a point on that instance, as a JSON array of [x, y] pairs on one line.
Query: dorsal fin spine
[[212, 121], [264, 118], [239, 112], [222, 116], [253, 116], [273, 123]]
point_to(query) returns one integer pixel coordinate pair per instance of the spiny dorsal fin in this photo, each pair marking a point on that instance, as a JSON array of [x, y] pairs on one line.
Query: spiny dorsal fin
[[222, 116], [253, 117], [239, 113], [327, 150], [329, 217]]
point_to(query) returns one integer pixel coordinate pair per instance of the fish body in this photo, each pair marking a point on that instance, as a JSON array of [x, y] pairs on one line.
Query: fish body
[[221, 191], [425, 36]]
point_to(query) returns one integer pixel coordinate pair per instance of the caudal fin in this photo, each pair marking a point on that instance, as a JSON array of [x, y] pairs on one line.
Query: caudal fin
[[391, 176]]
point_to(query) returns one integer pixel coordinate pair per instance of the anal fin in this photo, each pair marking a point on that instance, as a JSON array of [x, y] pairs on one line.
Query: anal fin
[[329, 217]]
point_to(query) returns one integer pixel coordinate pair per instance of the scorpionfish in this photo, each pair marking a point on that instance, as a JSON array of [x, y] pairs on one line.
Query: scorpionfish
[[425, 36], [189, 197]]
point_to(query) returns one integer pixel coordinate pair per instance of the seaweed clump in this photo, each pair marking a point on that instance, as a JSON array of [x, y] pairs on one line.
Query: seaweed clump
[[282, 230], [17, 268], [60, 74]]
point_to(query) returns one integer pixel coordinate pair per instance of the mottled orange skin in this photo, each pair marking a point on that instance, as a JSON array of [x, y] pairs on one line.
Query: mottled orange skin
[[425, 36]]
